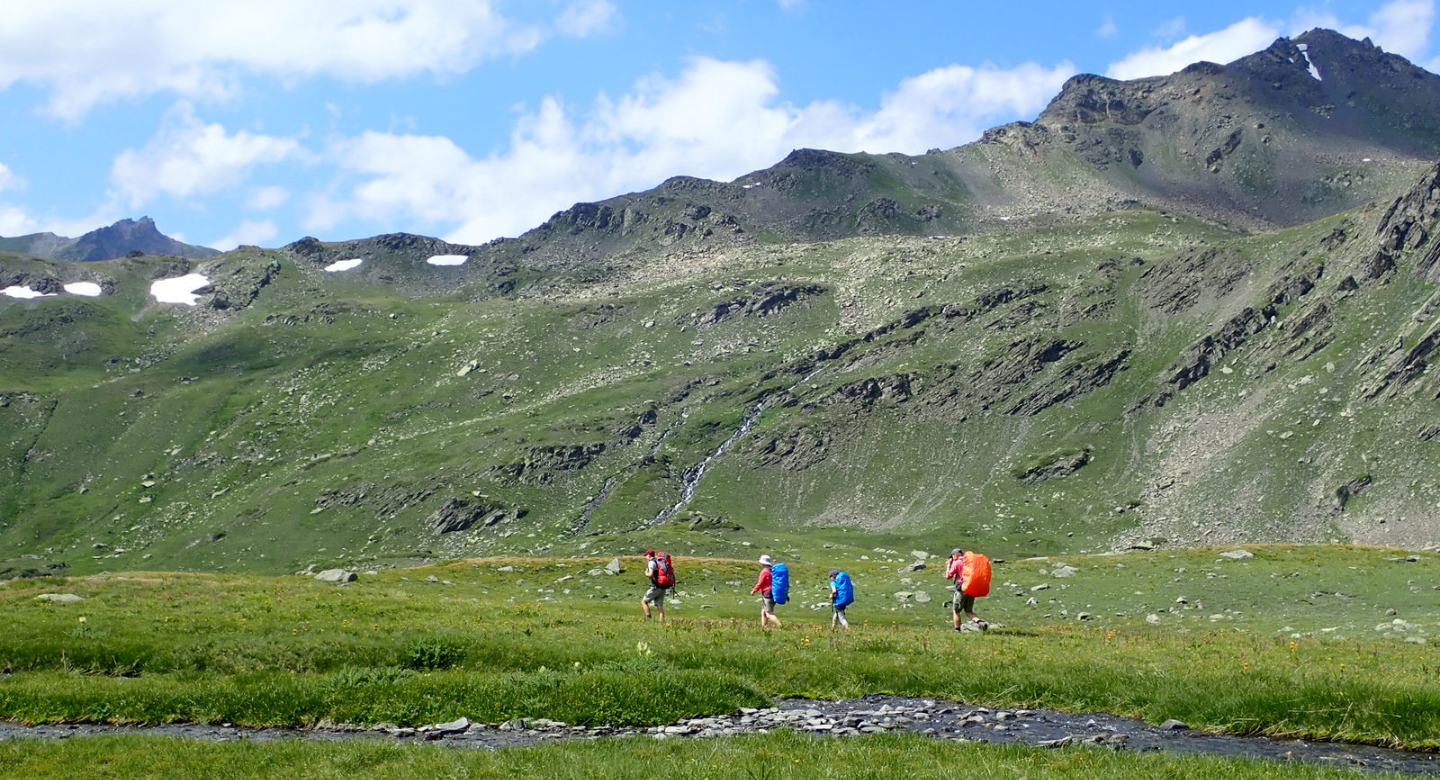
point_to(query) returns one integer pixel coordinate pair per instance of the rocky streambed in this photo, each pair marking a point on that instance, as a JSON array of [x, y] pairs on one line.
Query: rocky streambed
[[850, 717]]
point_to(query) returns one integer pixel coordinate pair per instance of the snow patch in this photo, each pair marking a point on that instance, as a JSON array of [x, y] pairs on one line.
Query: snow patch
[[343, 265], [1305, 52], [87, 289], [180, 289], [16, 291], [448, 259]]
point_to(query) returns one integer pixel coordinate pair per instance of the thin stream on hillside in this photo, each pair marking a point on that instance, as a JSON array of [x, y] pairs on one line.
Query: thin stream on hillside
[[690, 481]]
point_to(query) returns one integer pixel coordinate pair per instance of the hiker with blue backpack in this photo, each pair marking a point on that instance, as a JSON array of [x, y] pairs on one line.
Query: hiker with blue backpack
[[842, 595], [773, 586]]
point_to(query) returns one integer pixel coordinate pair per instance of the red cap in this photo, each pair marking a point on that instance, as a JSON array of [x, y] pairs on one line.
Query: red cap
[[649, 552]]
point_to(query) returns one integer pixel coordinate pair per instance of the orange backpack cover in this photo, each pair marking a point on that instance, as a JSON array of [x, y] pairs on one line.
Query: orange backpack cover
[[975, 575]]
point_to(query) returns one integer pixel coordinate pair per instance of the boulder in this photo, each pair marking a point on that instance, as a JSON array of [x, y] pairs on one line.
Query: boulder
[[1237, 555], [613, 567], [60, 598], [336, 575]]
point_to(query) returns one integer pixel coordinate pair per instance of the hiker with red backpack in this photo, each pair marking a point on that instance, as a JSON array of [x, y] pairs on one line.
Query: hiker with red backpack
[[661, 573], [971, 573]]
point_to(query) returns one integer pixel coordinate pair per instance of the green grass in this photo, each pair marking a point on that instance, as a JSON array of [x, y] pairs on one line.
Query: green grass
[[776, 755], [1257, 648]]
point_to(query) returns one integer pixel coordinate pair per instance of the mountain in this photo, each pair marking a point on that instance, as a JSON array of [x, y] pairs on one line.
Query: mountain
[[1302, 130], [117, 240], [1107, 328]]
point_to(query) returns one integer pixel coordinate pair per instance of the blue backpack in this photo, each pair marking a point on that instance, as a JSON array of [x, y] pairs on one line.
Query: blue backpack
[[844, 590], [779, 583]]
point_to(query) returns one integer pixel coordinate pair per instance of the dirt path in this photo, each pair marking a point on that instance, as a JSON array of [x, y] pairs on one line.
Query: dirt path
[[871, 714]]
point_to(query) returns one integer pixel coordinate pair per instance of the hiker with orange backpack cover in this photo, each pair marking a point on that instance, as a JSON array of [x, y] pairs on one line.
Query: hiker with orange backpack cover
[[971, 573]]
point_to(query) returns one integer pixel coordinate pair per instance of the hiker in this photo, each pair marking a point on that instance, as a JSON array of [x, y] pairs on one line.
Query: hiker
[[765, 586], [842, 595], [661, 573], [971, 572]]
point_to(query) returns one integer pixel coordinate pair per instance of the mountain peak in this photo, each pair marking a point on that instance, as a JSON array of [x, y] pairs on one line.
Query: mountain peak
[[128, 236]]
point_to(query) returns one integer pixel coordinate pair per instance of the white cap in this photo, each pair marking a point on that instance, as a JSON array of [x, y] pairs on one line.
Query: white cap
[[765, 560]]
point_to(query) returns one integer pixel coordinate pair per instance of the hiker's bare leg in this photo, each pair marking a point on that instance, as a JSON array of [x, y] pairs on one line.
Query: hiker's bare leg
[[645, 605], [660, 608]]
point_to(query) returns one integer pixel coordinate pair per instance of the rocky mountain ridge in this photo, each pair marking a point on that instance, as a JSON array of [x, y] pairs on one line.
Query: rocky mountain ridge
[[107, 243]]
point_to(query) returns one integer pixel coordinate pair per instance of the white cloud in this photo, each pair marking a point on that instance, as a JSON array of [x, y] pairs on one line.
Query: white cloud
[[1171, 29], [189, 157], [10, 181], [1108, 28], [251, 233], [584, 18], [266, 198], [18, 221], [201, 50], [717, 120], [1402, 27], [1244, 37]]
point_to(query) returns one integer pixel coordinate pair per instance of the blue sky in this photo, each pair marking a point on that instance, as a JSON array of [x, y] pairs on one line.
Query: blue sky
[[262, 121]]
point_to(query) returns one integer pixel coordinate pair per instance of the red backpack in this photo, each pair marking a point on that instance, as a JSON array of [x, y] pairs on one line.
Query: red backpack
[[664, 570]]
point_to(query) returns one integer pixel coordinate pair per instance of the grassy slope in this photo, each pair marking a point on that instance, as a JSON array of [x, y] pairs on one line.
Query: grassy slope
[[328, 421], [1294, 641], [760, 756]]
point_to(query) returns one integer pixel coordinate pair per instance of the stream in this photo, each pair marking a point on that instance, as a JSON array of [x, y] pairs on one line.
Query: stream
[[937, 719], [693, 475]]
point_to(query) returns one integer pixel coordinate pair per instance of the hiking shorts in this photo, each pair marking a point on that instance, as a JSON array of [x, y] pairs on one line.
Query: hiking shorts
[[963, 603], [655, 595], [839, 608], [767, 604]]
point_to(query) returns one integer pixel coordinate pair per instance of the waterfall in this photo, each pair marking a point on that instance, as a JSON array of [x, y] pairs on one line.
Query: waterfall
[[693, 475]]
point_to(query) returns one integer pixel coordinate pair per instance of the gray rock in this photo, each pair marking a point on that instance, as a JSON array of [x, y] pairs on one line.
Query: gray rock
[[1174, 725], [1064, 572], [60, 598], [1237, 555], [921, 597], [1041, 586], [613, 567], [336, 575], [452, 727], [1152, 619], [916, 566]]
